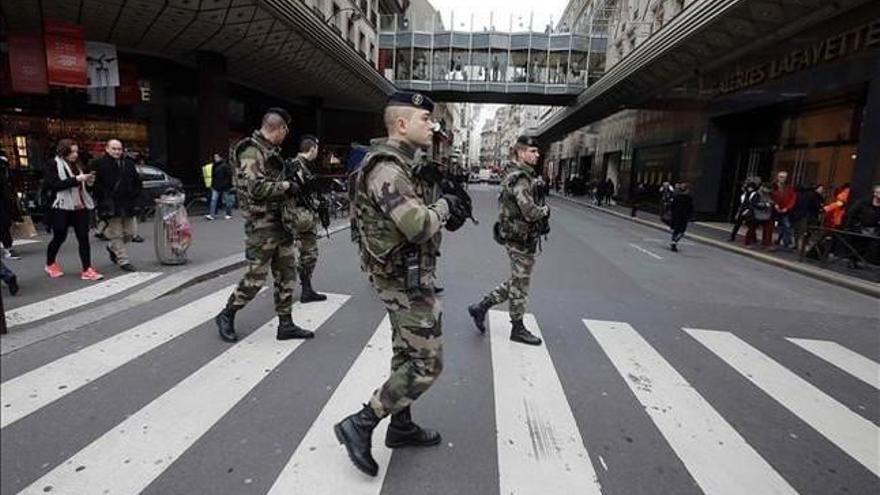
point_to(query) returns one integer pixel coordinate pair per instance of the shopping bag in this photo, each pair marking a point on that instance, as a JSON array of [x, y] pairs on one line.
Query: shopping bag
[[24, 229]]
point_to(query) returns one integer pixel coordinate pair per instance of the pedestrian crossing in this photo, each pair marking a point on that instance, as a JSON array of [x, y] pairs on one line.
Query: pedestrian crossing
[[539, 447], [76, 299]]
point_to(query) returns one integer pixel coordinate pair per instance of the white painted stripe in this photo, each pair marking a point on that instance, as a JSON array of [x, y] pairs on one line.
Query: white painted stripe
[[854, 434], [718, 458], [540, 449], [852, 362], [26, 393], [23, 242], [645, 251], [71, 300], [320, 465], [135, 452]]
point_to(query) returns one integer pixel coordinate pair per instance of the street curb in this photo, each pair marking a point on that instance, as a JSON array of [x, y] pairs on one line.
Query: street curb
[[171, 284], [845, 281]]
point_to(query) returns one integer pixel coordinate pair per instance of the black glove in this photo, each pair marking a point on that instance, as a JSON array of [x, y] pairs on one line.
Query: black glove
[[457, 212], [293, 189]]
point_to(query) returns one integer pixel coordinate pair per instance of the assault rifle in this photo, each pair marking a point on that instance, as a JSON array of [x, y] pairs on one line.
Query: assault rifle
[[542, 226], [313, 191], [437, 173]]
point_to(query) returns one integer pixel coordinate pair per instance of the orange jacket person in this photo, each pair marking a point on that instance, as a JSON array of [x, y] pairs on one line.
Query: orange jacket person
[[835, 210]]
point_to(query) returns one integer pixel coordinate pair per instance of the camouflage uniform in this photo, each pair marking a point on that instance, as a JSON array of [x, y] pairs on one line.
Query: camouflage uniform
[[302, 215], [267, 244], [392, 217], [518, 214]]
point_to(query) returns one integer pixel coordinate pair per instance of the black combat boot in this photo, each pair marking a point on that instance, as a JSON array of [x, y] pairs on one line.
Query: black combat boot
[[402, 432], [478, 313], [226, 324], [356, 433], [519, 333], [287, 329], [308, 294]]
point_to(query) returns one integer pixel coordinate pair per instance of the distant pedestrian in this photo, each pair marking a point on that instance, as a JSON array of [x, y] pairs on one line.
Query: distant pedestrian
[[744, 211], [682, 212], [70, 207], [117, 186], [835, 211], [667, 192], [806, 213], [601, 192], [784, 199], [9, 209], [864, 219], [221, 187], [760, 216], [8, 277], [609, 191]]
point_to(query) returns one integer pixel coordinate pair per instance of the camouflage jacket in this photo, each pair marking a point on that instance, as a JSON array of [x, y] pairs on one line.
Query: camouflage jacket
[[391, 212], [518, 212], [303, 175], [258, 179]]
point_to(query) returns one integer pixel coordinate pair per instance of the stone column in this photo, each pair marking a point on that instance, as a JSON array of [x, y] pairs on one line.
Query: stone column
[[868, 159], [213, 104]]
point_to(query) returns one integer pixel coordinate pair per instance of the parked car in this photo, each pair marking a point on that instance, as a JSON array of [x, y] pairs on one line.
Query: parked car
[[494, 178], [155, 182]]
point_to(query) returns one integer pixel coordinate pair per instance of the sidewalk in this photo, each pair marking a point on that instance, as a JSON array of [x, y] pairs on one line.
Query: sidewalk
[[217, 248], [717, 234]]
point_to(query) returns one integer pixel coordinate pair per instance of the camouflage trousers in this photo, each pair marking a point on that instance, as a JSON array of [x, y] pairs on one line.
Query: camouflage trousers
[[417, 345], [307, 244], [516, 288], [267, 248]]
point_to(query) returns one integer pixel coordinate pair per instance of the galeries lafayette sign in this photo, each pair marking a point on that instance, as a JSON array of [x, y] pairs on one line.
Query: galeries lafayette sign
[[839, 46]]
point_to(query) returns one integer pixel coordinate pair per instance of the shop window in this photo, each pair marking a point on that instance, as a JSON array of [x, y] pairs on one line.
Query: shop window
[[827, 125], [21, 151]]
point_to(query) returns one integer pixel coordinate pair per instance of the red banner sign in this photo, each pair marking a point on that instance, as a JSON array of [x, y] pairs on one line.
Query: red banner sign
[[65, 54], [27, 64], [128, 92]]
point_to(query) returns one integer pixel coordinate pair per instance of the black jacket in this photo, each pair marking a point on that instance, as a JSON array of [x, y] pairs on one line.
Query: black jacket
[[221, 178], [808, 205], [117, 187], [682, 211]]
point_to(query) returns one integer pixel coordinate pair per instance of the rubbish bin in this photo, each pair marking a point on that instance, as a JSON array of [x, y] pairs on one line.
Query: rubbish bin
[[173, 233]]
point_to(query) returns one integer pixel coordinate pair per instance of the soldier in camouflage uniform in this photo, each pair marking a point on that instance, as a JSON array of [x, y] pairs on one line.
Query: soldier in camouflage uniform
[[518, 229], [396, 234], [257, 176], [302, 215]]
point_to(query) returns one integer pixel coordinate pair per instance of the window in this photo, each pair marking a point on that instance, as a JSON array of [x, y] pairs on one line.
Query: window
[[21, 150]]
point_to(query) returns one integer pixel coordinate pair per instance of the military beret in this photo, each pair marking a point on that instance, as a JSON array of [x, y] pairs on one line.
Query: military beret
[[281, 113], [527, 141], [411, 99]]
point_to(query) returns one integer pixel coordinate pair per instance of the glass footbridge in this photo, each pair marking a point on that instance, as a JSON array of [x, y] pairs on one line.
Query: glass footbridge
[[490, 66]]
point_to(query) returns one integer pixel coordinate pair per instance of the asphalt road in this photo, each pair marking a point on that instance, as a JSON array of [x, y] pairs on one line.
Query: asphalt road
[[662, 373]]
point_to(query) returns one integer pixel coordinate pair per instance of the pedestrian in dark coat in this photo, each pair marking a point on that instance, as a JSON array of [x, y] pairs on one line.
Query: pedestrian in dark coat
[[117, 186], [682, 212]]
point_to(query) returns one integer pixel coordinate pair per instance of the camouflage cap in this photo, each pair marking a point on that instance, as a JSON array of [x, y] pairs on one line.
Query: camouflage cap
[[411, 99]]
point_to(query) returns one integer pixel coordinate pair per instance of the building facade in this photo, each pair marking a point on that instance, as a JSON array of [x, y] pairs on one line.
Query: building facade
[[807, 103]]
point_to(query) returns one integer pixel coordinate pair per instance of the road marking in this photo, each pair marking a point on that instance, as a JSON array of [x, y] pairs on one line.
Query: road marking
[[26, 393], [135, 452], [645, 251], [23, 242], [717, 457], [853, 363], [540, 449], [855, 435], [320, 465], [71, 300]]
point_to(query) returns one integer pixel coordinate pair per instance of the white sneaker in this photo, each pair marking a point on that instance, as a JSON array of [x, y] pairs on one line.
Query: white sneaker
[[228, 217], [209, 217]]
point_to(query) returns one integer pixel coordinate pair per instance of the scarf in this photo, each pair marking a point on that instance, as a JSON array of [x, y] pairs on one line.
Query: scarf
[[73, 198]]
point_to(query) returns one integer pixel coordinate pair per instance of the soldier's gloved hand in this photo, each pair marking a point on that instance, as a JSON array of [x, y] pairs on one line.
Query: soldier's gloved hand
[[292, 188], [457, 212]]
